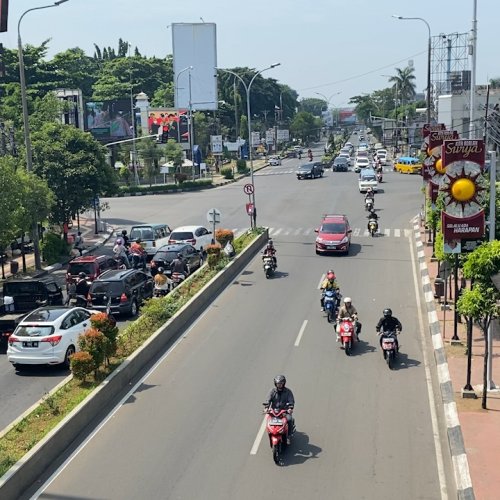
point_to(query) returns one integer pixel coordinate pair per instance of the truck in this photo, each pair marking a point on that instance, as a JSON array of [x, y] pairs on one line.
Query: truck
[[20, 297]]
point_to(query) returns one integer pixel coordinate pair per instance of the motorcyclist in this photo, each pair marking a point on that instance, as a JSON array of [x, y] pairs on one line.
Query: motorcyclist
[[310, 154], [161, 281], [370, 194], [348, 311], [82, 285], [138, 253], [388, 323], [329, 283], [280, 398], [125, 238], [270, 251], [179, 266], [120, 252], [372, 215]]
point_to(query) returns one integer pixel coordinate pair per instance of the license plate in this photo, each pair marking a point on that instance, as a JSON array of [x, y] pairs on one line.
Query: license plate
[[346, 334], [30, 344], [332, 247], [388, 341], [276, 421]]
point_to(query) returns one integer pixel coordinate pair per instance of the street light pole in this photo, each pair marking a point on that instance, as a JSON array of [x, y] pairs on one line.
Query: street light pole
[[472, 48], [249, 120], [189, 68], [328, 99], [27, 138]]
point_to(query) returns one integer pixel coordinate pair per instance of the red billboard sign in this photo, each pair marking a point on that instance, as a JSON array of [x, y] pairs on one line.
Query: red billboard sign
[[462, 227], [463, 150]]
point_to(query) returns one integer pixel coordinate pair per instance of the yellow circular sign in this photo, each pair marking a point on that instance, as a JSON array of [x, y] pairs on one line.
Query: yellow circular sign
[[463, 190], [439, 166]]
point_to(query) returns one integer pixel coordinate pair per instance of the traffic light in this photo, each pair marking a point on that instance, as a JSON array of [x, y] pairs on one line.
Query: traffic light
[[4, 14]]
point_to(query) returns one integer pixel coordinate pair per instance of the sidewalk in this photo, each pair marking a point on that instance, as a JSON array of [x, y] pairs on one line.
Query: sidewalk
[[480, 428], [91, 240], [219, 180]]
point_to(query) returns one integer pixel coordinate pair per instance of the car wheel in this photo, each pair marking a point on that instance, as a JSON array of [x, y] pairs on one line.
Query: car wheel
[[133, 309], [200, 262], [67, 361]]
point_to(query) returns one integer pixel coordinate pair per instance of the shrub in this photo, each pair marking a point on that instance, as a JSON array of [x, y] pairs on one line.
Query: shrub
[[82, 365], [214, 255], [107, 326], [53, 247], [94, 342], [223, 236], [241, 166], [227, 173], [180, 177]]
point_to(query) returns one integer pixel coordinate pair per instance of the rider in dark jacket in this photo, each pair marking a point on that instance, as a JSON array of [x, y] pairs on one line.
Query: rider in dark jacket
[[388, 323], [281, 398], [179, 266]]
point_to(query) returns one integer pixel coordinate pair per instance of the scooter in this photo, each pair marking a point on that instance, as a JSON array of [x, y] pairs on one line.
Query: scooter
[[78, 301], [373, 226], [330, 303], [162, 290], [379, 177], [177, 279], [389, 347], [277, 431], [369, 204], [268, 265], [347, 335]]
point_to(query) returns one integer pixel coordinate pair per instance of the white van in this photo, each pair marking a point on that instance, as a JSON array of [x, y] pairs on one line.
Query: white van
[[152, 236], [367, 179]]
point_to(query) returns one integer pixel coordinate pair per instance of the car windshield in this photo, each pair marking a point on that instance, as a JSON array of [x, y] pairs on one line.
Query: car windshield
[[144, 233], [368, 178], [112, 287], [333, 228], [305, 167], [340, 160], [34, 331], [80, 267], [165, 256], [181, 235]]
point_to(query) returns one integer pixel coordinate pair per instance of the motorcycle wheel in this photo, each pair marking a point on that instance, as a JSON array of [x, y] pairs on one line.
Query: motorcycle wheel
[[347, 348], [331, 316], [276, 454], [372, 232], [388, 357], [268, 273]]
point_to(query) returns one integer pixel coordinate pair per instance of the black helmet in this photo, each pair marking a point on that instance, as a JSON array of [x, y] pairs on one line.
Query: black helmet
[[138, 240], [82, 275], [387, 312], [161, 270], [179, 256], [124, 232], [279, 379]]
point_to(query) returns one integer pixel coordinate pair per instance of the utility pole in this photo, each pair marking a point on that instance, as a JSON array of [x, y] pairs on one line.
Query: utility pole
[[472, 52]]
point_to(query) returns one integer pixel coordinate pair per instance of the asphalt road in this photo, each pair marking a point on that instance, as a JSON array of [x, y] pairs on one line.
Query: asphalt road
[[190, 429]]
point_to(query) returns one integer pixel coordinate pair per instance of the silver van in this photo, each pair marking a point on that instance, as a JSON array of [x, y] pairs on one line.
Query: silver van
[[152, 236]]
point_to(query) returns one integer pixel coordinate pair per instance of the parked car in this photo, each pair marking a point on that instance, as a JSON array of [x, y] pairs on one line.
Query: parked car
[[48, 336], [166, 254], [340, 164], [310, 171], [334, 234], [153, 236], [123, 290], [92, 265], [197, 236], [274, 161]]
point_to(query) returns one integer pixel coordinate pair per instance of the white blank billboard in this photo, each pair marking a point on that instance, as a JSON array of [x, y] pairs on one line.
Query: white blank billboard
[[195, 44]]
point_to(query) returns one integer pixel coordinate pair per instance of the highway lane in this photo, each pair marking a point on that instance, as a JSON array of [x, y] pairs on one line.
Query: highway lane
[[362, 430]]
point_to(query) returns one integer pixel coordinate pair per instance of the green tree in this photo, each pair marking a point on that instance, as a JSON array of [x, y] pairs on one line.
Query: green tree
[[365, 107], [74, 165], [174, 154], [163, 96], [151, 155], [304, 126], [9, 201], [404, 83], [312, 105]]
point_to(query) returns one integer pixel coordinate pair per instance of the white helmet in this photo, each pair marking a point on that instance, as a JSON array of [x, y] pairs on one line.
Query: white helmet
[[347, 300]]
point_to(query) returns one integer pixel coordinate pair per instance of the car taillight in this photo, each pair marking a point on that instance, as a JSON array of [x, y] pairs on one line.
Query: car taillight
[[13, 339], [123, 297], [52, 340], [191, 242], [154, 243], [171, 242]]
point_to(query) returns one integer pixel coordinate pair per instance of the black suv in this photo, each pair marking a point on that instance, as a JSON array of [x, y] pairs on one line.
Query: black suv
[[167, 253], [33, 293], [124, 291], [310, 171]]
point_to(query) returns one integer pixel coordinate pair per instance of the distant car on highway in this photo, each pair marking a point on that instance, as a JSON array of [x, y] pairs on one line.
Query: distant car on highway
[[274, 161], [340, 164], [334, 234], [310, 171]]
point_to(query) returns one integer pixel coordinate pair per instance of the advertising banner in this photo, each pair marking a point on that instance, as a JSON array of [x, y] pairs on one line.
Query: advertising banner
[[433, 168], [108, 121], [270, 136], [456, 228], [255, 139], [463, 150], [283, 135], [170, 123], [216, 144]]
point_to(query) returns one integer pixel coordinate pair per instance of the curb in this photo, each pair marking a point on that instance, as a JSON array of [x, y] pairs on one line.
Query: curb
[[460, 463]]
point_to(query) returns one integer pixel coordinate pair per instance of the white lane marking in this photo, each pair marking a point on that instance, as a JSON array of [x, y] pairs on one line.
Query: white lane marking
[[407, 233], [301, 332], [77, 451], [366, 233], [356, 231], [387, 232], [307, 232], [321, 280], [297, 232], [270, 230], [278, 231], [287, 232], [397, 233], [258, 438], [428, 379]]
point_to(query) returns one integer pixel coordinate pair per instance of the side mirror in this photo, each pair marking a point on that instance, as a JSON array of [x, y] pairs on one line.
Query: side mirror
[[349, 231], [316, 230]]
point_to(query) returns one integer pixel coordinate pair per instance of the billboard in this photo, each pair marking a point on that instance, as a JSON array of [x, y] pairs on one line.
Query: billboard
[[195, 46], [109, 120], [170, 123]]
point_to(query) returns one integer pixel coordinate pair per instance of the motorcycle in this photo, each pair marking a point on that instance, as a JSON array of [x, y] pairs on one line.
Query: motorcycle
[[369, 204], [268, 265], [177, 279], [372, 226], [347, 335], [379, 177], [162, 290], [138, 261], [78, 301], [389, 347], [330, 304], [277, 431]]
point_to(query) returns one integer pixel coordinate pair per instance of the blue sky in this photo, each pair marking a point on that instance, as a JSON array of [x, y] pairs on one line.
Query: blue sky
[[325, 46]]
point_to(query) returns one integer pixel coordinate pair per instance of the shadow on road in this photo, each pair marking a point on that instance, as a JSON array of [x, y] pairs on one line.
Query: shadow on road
[[362, 347], [141, 388], [301, 450], [403, 361], [46, 371]]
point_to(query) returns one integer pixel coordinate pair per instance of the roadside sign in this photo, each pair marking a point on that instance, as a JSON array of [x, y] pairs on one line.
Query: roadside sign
[[213, 216], [249, 207], [248, 188]]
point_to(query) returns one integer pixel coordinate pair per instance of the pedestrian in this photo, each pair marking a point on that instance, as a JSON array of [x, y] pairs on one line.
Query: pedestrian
[[79, 244]]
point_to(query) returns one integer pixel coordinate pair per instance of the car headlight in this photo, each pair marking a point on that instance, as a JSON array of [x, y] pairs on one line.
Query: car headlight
[[345, 239]]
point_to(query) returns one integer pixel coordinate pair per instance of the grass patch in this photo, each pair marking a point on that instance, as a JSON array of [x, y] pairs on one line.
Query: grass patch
[[35, 426]]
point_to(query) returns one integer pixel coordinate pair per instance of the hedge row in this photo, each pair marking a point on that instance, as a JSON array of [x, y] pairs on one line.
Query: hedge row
[[166, 188]]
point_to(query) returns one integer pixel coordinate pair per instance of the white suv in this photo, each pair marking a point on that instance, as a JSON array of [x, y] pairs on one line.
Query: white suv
[[198, 236]]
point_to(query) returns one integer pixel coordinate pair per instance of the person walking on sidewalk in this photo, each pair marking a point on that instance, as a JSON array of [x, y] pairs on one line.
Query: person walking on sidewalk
[[79, 244]]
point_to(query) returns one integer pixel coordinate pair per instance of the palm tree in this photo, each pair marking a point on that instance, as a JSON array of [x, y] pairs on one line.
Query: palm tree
[[404, 83]]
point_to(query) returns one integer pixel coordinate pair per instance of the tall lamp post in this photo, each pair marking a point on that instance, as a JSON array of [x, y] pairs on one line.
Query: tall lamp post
[[27, 139], [395, 107], [249, 118], [429, 52], [189, 68], [328, 99]]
